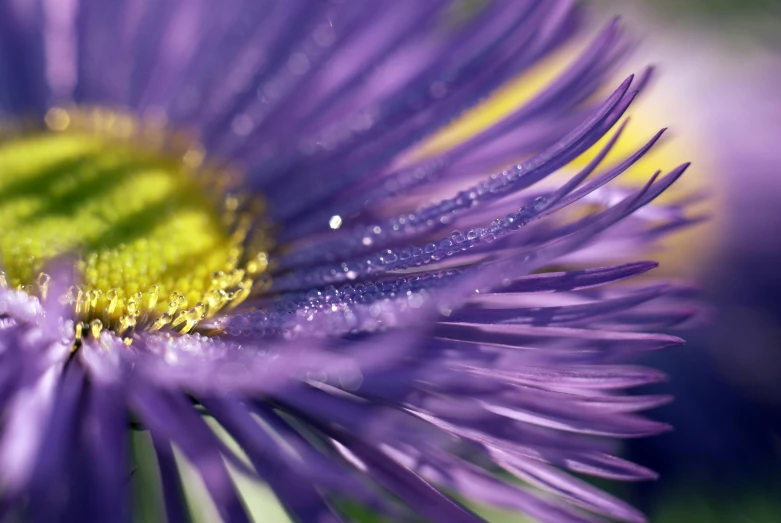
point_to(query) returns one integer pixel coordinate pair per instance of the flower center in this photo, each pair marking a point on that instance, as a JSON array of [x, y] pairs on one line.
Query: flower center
[[155, 247]]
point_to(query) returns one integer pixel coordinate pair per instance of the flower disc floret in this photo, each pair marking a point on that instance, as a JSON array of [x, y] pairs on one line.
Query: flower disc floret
[[156, 248]]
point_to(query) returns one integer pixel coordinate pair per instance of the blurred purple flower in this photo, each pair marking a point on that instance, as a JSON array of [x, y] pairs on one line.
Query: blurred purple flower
[[386, 360]]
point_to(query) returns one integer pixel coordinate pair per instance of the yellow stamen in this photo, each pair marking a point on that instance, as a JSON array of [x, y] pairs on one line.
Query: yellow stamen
[[159, 240]]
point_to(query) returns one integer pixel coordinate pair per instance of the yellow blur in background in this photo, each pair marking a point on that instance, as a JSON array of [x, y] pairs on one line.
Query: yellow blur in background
[[681, 254]]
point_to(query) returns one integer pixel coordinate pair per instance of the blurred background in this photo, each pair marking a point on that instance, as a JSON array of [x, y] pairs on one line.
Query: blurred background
[[718, 89]]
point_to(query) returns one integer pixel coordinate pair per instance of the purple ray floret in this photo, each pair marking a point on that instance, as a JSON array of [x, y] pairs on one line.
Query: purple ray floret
[[432, 331]]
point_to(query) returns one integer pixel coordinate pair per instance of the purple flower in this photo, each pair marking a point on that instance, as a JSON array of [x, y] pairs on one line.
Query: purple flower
[[368, 324]]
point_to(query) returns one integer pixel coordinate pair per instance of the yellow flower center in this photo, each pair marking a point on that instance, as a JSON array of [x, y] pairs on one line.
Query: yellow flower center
[[157, 240]]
